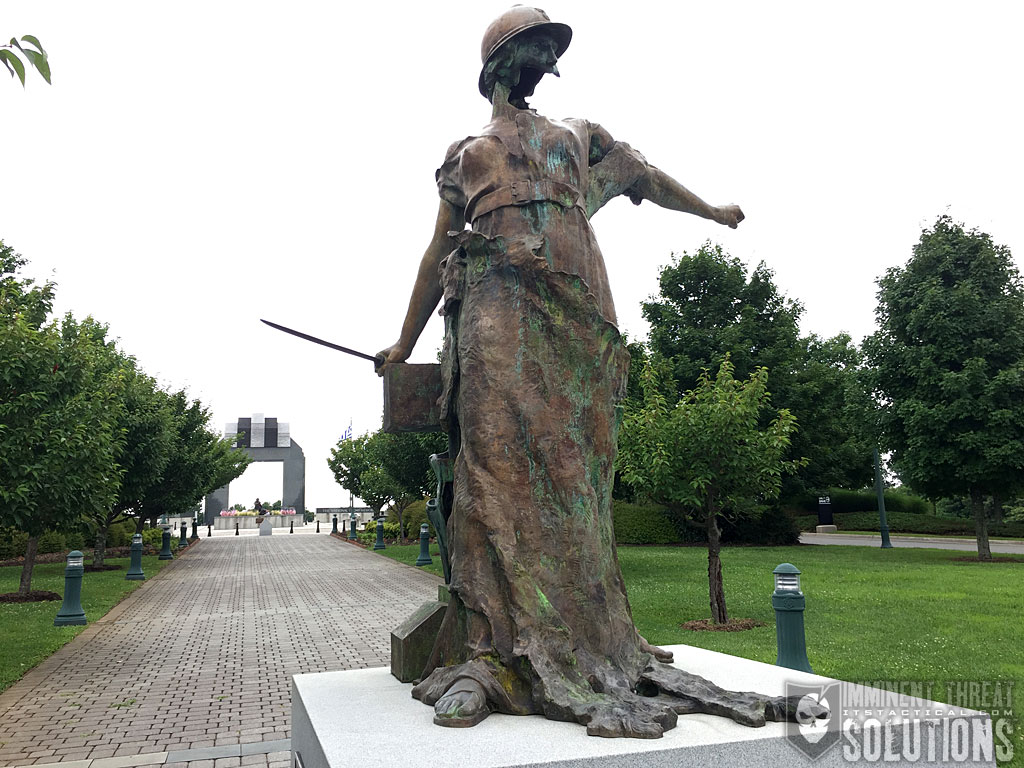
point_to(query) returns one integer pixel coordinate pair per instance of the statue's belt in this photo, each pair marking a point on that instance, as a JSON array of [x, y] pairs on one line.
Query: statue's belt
[[522, 193]]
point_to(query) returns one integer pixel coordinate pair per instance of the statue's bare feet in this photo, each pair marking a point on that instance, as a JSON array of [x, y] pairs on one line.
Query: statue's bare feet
[[659, 653], [463, 705]]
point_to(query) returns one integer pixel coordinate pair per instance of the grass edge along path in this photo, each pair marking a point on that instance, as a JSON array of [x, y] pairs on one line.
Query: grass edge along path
[[27, 634], [915, 615]]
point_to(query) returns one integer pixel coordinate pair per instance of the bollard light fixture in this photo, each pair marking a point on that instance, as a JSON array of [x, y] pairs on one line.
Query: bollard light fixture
[[424, 558], [352, 526], [789, 603], [379, 543], [135, 572], [165, 550], [71, 612]]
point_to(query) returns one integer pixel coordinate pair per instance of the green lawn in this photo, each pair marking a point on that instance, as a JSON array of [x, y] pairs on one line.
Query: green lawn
[[872, 614], [27, 634], [407, 554]]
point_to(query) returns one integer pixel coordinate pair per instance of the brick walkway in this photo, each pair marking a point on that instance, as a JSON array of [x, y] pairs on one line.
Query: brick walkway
[[200, 658]]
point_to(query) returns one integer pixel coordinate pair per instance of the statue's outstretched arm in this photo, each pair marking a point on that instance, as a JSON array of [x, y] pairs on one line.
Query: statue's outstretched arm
[[426, 292], [661, 189]]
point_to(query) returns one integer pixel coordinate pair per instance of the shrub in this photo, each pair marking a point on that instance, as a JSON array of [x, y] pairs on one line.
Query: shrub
[[415, 515], [12, 543], [154, 539], [75, 540], [864, 500], [50, 542], [120, 534], [643, 524], [903, 522]]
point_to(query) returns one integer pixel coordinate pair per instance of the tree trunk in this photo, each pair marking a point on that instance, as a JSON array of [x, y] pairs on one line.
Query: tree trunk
[[30, 563], [716, 590], [998, 507], [100, 549], [139, 523], [980, 524], [400, 514]]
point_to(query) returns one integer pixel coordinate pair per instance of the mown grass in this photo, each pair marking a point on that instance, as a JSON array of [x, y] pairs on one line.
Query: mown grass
[[408, 553], [27, 634], [919, 615]]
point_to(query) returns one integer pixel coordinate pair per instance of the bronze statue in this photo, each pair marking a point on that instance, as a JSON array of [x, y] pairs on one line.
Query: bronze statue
[[533, 370]]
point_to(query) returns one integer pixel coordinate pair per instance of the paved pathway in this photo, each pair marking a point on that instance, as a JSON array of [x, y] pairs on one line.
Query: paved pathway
[[915, 542], [194, 668]]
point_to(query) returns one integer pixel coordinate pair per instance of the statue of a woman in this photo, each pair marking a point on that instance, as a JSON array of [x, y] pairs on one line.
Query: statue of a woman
[[534, 370]]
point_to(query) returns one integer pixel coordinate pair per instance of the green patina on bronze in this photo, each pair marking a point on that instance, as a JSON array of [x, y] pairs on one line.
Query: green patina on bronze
[[532, 374]]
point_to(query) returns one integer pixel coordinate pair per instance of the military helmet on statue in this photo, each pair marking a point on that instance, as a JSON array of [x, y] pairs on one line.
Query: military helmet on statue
[[515, 21]]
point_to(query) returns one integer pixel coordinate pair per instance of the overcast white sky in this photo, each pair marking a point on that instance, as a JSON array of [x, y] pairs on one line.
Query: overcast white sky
[[199, 165]]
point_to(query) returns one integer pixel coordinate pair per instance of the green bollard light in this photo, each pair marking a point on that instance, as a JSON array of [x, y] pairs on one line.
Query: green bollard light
[[424, 558], [334, 524], [165, 552], [195, 531], [183, 541], [379, 543], [352, 526], [135, 565], [71, 612], [788, 602]]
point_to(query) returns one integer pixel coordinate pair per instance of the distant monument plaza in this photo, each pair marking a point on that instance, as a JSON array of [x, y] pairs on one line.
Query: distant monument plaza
[[265, 439]]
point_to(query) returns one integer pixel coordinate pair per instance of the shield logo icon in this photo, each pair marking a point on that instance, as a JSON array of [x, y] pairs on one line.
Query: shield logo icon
[[817, 716]]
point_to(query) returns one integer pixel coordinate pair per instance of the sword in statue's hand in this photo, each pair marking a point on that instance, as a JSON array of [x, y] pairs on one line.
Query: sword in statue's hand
[[377, 360]]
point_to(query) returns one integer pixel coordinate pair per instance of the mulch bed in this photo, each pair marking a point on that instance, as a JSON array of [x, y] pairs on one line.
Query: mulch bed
[[733, 625], [34, 596], [60, 557]]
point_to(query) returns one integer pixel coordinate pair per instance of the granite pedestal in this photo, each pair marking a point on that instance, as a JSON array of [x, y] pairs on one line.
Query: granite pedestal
[[347, 719]]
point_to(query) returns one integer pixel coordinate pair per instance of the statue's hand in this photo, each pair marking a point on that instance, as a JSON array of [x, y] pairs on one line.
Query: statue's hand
[[730, 215], [396, 353]]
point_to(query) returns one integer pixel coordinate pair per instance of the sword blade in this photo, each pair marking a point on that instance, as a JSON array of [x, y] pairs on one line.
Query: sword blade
[[315, 340]]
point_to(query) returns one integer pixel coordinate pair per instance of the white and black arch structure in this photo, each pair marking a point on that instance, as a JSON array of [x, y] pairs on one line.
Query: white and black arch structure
[[266, 439]]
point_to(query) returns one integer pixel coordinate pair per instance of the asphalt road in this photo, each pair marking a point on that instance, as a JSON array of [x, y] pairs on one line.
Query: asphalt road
[[914, 542]]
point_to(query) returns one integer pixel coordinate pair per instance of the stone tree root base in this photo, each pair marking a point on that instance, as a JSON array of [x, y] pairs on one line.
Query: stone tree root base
[[343, 720]]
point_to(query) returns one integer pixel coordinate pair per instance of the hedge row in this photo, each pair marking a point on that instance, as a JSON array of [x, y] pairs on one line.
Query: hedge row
[[901, 522], [646, 524], [844, 500]]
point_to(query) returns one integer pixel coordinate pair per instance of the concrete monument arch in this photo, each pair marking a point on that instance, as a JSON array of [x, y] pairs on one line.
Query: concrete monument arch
[[266, 439]]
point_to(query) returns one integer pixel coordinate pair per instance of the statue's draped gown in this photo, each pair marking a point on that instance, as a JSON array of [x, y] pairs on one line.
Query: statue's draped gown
[[534, 370]]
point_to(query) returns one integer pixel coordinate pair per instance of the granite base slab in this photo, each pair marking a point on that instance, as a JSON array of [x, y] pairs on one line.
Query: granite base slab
[[367, 718]]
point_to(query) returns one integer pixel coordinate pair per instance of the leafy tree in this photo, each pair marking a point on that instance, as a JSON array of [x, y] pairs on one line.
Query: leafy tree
[[58, 439], [144, 421], [948, 367], [383, 468], [707, 455], [200, 461], [34, 54], [709, 308], [349, 462]]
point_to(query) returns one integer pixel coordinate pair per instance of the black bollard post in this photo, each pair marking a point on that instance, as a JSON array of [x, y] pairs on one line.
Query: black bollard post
[[334, 524], [236, 529], [291, 526], [209, 531], [318, 526]]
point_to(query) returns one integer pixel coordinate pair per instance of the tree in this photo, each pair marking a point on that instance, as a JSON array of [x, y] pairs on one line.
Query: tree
[[200, 461], [58, 438], [709, 308], [349, 462], [707, 455], [36, 56], [948, 368], [144, 421], [383, 468]]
